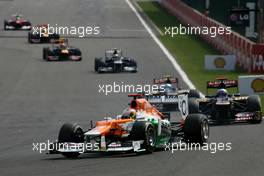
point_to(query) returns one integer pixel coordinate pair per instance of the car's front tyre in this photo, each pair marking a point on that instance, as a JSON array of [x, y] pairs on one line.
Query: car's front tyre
[[144, 131], [196, 128], [71, 133], [254, 105]]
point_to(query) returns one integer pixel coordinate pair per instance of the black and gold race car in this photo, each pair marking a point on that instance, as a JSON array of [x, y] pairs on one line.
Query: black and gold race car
[[223, 108]]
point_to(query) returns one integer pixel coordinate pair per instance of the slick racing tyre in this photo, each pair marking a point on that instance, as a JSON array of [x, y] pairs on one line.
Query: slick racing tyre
[[71, 133], [45, 54], [196, 128], [254, 105], [97, 63], [77, 52], [193, 106], [29, 37], [5, 24], [146, 132], [194, 94]]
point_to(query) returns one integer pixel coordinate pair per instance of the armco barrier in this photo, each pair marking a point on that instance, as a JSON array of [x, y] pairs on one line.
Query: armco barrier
[[250, 56]]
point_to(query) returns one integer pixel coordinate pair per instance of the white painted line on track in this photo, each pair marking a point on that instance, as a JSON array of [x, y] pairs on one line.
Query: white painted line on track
[[177, 67]]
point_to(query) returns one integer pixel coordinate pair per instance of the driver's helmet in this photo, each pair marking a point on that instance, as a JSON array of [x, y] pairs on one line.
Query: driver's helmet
[[115, 52], [168, 81], [17, 16], [129, 114], [222, 93], [62, 46], [62, 43], [168, 88]]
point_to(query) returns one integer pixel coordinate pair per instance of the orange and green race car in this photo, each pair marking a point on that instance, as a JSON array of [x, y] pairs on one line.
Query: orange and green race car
[[140, 128]]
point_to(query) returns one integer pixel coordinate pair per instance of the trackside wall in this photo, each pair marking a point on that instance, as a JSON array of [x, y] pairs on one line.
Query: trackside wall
[[250, 55]]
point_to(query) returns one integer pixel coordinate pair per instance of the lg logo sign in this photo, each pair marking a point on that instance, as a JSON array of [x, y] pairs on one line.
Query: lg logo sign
[[243, 17], [239, 17]]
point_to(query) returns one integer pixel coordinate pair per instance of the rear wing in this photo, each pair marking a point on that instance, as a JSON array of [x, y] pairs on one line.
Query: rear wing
[[135, 96], [44, 26], [222, 83], [166, 81], [111, 52]]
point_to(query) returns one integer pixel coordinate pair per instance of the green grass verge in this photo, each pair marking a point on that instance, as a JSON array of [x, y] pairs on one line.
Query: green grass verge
[[188, 49]]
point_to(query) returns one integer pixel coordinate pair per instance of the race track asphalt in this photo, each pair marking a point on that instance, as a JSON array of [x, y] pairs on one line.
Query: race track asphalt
[[37, 97]]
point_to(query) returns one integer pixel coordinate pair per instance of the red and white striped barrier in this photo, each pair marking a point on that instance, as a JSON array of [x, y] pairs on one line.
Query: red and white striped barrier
[[250, 55]]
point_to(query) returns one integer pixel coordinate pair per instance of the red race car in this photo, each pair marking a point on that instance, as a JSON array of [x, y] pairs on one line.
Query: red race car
[[17, 22]]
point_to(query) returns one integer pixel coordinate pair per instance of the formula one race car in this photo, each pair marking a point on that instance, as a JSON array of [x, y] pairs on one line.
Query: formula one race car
[[62, 52], [169, 85], [225, 108], [115, 62], [17, 22], [140, 128], [40, 34]]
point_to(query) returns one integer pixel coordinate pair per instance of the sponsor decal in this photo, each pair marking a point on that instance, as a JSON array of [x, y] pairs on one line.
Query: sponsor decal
[[258, 85], [258, 63], [219, 62]]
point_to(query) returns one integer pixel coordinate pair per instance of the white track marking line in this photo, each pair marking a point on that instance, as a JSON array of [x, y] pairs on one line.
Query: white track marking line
[[164, 49], [177, 67]]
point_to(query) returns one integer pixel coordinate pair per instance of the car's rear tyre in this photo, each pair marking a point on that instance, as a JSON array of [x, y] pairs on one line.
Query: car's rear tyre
[[97, 64], [196, 128], [194, 94], [45, 53], [29, 37], [254, 105], [193, 106], [146, 132], [71, 133], [134, 64], [5, 24], [80, 59]]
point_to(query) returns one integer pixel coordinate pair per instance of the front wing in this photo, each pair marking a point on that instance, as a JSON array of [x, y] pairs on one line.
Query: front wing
[[109, 69], [17, 27], [64, 58], [242, 117], [42, 40], [128, 146]]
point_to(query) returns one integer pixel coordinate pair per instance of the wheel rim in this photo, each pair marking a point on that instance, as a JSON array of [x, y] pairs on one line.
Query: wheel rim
[[151, 137], [205, 130], [79, 135]]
